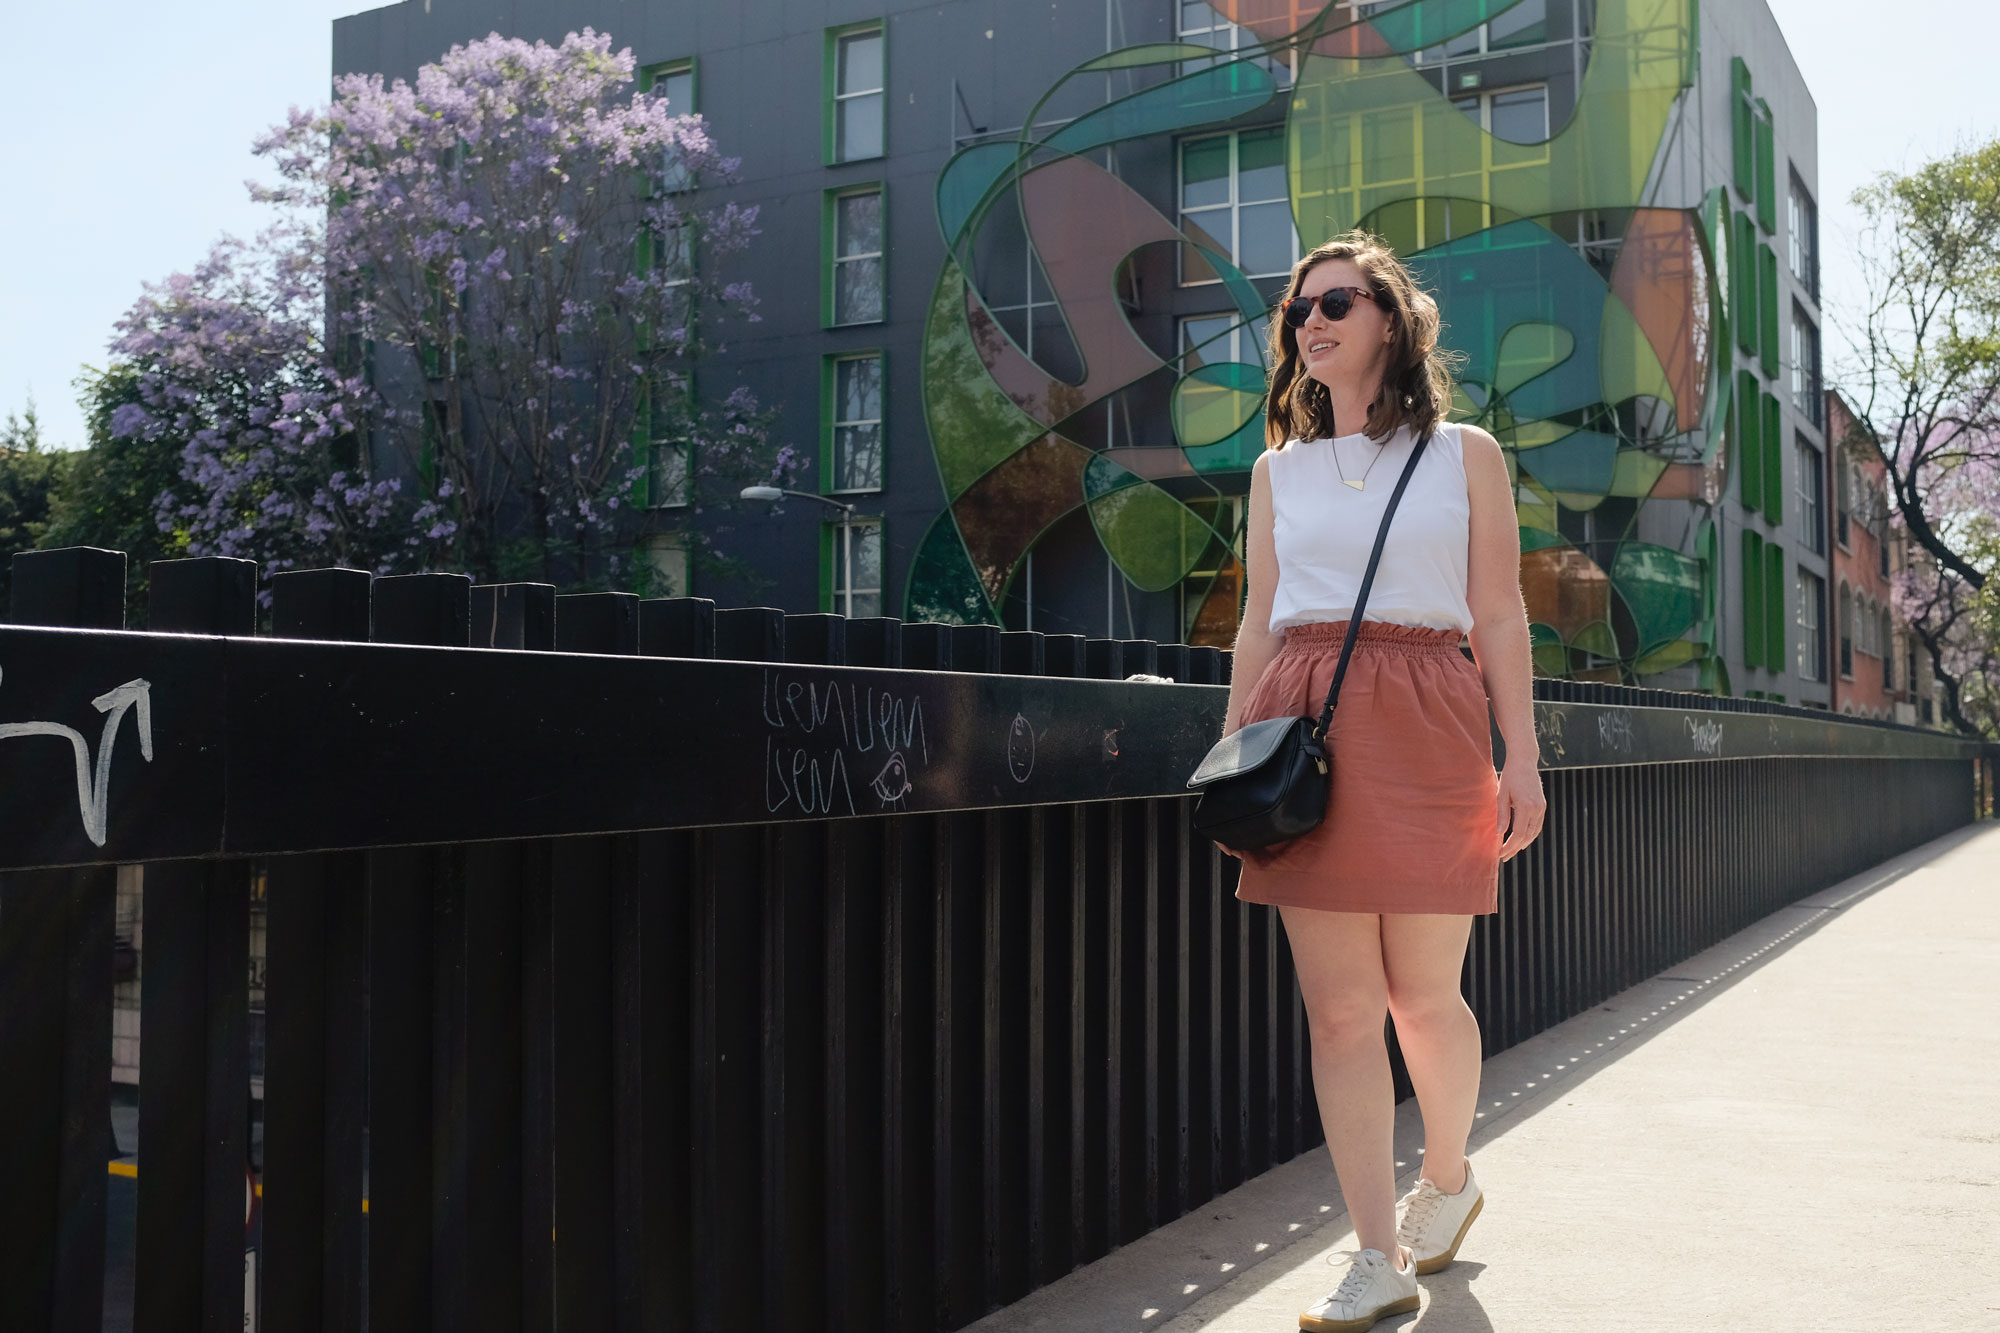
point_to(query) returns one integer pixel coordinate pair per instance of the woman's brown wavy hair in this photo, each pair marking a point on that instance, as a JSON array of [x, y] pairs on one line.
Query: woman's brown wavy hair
[[1417, 382]]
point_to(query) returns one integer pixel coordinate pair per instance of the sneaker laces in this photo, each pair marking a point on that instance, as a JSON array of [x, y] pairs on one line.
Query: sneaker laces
[[1420, 1204], [1355, 1284]]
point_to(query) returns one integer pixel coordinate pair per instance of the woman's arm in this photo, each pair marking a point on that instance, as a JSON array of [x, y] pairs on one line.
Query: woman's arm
[[1500, 635], [1255, 644]]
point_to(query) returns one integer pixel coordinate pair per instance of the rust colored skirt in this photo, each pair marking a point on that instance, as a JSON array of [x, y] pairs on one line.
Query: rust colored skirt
[[1413, 824]]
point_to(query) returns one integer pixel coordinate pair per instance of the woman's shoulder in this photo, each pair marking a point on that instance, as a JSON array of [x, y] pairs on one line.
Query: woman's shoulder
[[1475, 442]]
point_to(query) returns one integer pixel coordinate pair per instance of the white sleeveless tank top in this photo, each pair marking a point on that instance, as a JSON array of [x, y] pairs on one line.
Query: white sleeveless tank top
[[1325, 530]]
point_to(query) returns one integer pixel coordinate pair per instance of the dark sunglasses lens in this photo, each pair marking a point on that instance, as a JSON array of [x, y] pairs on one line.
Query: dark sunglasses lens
[[1333, 304]]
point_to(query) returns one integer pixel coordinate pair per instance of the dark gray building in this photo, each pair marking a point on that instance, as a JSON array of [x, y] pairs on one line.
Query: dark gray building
[[1031, 358]]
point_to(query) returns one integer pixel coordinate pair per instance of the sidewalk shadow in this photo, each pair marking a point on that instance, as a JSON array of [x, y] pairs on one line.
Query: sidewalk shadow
[[1451, 1307]]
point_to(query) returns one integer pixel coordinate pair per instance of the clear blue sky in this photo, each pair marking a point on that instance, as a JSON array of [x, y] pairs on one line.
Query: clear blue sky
[[128, 141]]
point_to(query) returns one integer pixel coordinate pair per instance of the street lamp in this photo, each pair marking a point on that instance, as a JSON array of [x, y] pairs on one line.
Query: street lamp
[[846, 532]]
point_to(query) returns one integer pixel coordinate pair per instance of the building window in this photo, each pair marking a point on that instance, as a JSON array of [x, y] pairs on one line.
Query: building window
[[675, 82], [1812, 611], [1846, 630], [1892, 650], [1806, 395], [1802, 217], [1234, 191], [856, 280], [1209, 339], [667, 565], [1200, 25], [1812, 493], [1518, 115], [1525, 24], [855, 420], [854, 116], [669, 253], [856, 544], [669, 451], [668, 468], [1843, 501]]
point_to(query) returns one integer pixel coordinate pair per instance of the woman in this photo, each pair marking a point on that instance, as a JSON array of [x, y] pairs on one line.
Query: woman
[[1378, 901]]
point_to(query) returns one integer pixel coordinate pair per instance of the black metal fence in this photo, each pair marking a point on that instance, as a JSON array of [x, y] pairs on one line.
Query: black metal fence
[[684, 968]]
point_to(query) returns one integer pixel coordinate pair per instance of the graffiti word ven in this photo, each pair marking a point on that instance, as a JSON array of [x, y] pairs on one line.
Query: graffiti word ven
[[817, 725]]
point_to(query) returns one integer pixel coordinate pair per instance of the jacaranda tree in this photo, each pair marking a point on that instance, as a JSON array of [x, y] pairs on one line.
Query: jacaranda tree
[[1926, 377], [469, 343]]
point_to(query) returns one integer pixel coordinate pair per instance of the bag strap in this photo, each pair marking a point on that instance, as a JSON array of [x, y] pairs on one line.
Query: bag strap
[[1361, 598]]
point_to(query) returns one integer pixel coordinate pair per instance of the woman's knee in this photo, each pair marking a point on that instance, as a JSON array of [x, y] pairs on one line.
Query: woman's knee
[[1343, 1022], [1427, 1007]]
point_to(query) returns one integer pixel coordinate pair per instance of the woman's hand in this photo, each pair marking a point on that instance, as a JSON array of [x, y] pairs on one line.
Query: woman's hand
[[1520, 802]]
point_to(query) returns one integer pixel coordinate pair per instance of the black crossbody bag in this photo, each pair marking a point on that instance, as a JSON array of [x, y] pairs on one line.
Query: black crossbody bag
[[1270, 781]]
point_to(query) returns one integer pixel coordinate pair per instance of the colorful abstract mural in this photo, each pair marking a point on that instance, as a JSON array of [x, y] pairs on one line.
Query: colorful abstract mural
[[1591, 319]]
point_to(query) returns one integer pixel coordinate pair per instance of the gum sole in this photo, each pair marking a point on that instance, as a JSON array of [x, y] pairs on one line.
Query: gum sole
[[1407, 1305], [1432, 1265]]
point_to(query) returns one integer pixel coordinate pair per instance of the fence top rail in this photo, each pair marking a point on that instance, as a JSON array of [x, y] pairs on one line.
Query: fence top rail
[[119, 746]]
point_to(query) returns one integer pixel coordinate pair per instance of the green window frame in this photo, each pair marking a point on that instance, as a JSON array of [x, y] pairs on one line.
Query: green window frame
[[1767, 168], [1743, 282], [1749, 443], [682, 100], [1753, 599], [1772, 438], [665, 461], [1776, 640], [1767, 310], [667, 71], [840, 252], [848, 103], [838, 424], [866, 600], [1742, 134]]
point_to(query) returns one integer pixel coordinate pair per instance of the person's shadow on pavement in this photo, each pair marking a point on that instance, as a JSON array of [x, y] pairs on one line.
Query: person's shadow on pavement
[[1449, 1305]]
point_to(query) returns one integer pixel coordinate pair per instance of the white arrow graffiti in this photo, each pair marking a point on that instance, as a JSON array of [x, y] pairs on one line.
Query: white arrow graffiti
[[93, 783]]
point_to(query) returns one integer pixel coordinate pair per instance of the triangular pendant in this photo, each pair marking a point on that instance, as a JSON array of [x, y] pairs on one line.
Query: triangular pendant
[[1355, 484]]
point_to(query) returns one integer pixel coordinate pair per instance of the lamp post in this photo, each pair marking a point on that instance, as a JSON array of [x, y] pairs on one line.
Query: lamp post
[[846, 533]]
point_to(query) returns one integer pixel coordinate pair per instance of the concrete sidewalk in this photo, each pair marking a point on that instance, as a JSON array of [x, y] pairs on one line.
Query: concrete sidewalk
[[1798, 1129]]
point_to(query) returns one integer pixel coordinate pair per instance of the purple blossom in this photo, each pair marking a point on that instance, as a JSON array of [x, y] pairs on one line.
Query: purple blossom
[[476, 227]]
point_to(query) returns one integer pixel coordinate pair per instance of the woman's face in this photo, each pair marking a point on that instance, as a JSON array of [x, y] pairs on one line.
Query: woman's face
[[1353, 352]]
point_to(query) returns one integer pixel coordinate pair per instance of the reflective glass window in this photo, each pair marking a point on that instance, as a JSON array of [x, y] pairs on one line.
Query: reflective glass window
[[857, 257], [857, 423], [857, 97], [857, 545], [1234, 188]]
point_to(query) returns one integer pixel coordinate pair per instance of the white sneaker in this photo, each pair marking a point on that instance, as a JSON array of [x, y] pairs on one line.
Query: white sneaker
[[1372, 1289], [1433, 1223]]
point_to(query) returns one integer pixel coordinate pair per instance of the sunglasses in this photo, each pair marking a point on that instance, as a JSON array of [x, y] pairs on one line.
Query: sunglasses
[[1334, 303]]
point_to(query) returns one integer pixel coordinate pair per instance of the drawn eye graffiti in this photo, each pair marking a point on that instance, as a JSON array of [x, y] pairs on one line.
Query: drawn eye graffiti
[[892, 784], [1020, 748]]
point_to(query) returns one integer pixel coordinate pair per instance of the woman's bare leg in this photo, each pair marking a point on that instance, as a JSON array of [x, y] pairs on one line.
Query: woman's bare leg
[[1422, 958], [1338, 957]]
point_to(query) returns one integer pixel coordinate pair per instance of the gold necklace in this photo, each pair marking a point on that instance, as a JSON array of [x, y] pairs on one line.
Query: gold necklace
[[1356, 484]]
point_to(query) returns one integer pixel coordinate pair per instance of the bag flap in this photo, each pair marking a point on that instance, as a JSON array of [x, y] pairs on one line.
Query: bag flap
[[1245, 749]]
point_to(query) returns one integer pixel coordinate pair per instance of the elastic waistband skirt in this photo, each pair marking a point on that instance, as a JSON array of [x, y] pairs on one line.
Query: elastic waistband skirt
[[1413, 821]]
